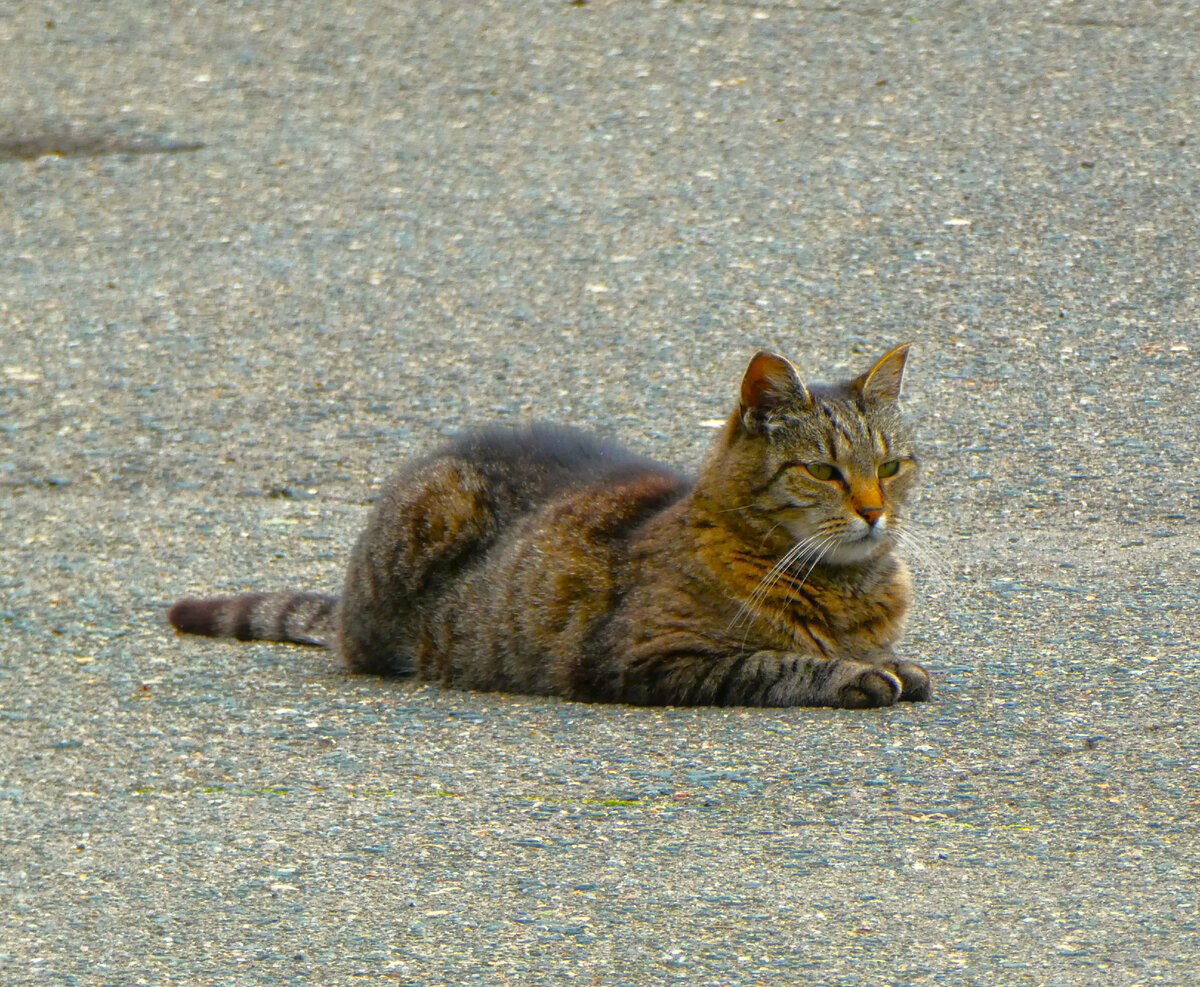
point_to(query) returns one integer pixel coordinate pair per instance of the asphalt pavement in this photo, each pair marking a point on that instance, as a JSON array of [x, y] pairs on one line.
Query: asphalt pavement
[[255, 254]]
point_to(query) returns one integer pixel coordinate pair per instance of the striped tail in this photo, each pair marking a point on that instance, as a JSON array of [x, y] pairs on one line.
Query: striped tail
[[300, 618]]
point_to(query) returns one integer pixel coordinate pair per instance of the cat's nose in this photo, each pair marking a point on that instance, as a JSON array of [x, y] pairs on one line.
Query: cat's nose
[[870, 513]]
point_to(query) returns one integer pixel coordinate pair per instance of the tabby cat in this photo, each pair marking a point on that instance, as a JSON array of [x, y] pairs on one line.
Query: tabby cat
[[545, 561]]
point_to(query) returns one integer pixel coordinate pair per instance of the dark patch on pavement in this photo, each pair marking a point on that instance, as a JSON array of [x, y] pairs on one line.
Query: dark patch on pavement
[[87, 144]]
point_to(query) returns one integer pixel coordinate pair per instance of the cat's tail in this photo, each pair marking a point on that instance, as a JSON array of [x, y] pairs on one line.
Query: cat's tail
[[299, 618]]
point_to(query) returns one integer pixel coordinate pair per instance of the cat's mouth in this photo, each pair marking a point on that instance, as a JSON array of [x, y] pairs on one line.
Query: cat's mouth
[[875, 532]]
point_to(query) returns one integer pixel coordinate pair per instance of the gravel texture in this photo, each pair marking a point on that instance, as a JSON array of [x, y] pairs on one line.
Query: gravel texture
[[256, 253]]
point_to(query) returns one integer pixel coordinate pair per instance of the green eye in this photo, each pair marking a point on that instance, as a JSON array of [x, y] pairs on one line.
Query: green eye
[[890, 468], [822, 471]]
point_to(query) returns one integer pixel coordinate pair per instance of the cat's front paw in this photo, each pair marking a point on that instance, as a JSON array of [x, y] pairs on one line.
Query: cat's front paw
[[916, 685], [872, 687]]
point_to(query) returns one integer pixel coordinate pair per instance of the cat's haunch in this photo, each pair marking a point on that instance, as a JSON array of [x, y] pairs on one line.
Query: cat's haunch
[[543, 560]]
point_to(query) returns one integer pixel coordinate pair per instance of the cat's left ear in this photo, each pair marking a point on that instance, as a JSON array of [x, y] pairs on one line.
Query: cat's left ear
[[883, 381]]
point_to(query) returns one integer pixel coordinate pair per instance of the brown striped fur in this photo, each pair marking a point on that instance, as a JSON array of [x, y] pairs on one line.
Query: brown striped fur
[[545, 561]]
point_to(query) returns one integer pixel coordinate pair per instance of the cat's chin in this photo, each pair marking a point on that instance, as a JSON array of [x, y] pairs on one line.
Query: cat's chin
[[859, 551]]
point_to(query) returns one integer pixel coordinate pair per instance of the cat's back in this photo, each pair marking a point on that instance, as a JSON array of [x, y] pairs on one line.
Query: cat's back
[[539, 462], [444, 512]]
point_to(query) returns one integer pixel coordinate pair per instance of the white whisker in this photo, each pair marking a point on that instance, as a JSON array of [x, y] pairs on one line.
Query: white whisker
[[741, 507], [931, 561], [810, 550], [827, 543], [797, 552]]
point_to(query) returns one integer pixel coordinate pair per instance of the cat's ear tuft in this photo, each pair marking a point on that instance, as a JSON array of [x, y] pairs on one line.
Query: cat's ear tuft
[[884, 380], [770, 384]]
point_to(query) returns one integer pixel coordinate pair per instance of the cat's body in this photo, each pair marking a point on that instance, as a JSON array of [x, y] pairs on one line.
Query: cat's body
[[544, 561]]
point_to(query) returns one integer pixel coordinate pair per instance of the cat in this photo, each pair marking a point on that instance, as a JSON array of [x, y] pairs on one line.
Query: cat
[[546, 561]]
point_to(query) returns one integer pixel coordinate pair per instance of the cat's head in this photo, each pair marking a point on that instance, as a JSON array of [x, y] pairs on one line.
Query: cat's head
[[830, 465]]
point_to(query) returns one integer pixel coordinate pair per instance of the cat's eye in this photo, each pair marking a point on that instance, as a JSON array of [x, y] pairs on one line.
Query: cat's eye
[[890, 468], [822, 471]]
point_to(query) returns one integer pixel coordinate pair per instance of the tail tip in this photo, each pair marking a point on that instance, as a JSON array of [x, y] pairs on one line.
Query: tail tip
[[191, 616]]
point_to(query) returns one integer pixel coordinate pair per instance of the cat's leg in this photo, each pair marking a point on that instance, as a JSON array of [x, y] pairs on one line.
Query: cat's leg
[[766, 678]]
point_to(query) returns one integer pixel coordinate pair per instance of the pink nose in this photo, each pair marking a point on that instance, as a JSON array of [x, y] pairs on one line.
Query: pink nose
[[870, 514]]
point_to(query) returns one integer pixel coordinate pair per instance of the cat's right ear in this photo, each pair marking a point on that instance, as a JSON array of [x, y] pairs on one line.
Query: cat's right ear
[[770, 384]]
